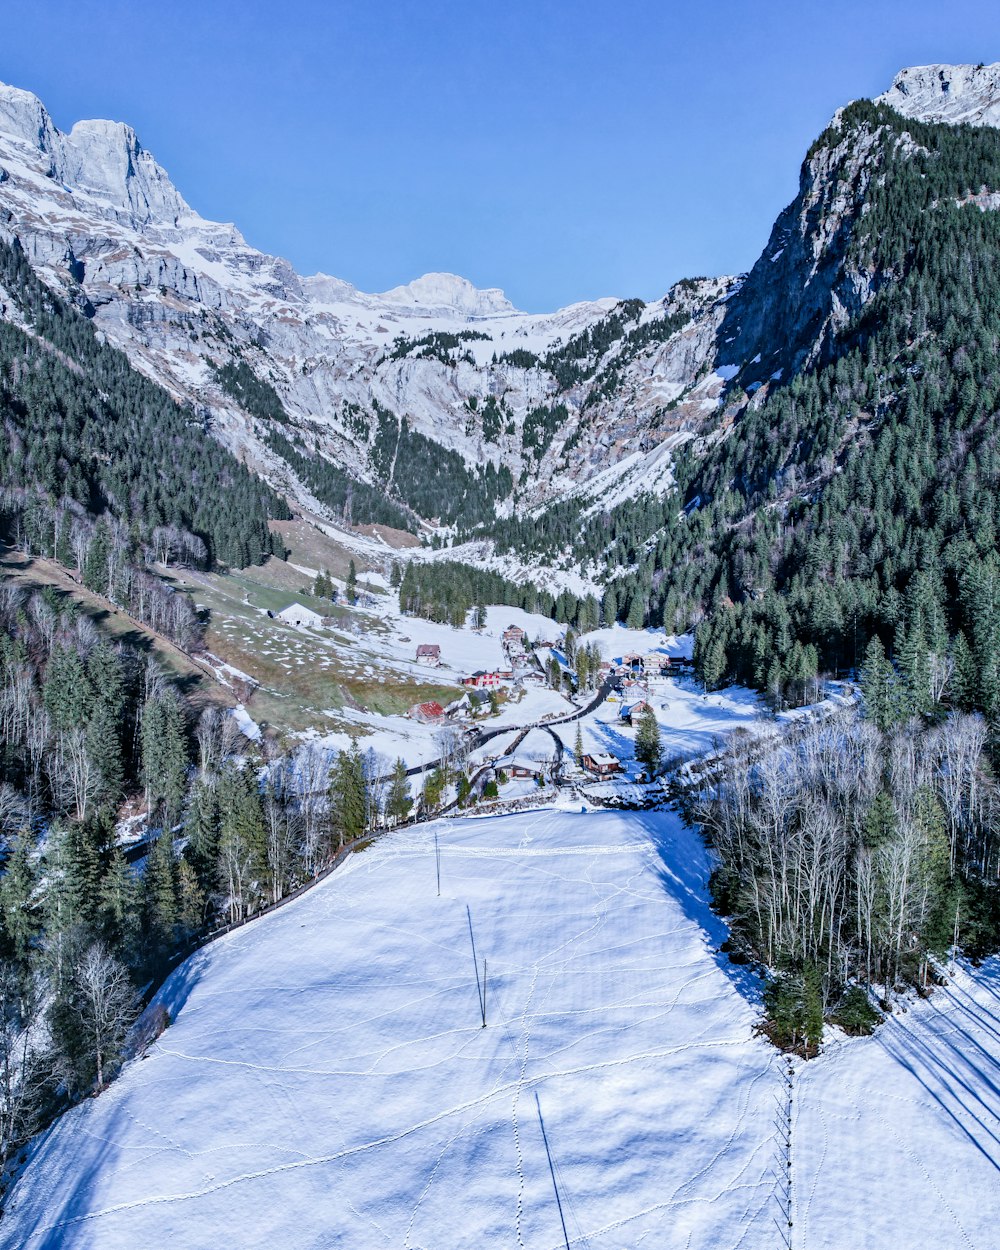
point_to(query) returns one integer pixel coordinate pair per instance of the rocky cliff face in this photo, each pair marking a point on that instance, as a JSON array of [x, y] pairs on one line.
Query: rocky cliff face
[[802, 291], [100, 219], [618, 385], [947, 93]]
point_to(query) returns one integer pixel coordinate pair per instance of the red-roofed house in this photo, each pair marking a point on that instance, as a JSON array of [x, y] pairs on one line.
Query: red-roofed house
[[482, 680], [426, 713], [429, 653]]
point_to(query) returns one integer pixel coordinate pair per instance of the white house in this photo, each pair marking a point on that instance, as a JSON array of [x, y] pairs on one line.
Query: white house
[[296, 614]]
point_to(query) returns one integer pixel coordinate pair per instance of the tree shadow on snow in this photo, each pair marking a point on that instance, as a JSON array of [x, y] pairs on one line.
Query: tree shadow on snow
[[958, 1084], [56, 1214], [176, 989], [683, 870]]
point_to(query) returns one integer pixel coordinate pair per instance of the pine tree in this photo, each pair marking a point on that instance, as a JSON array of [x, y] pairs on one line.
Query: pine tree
[[242, 861], [190, 900], [202, 829], [161, 891], [120, 907], [647, 741], [713, 665], [398, 801], [352, 583], [348, 795], [578, 746], [963, 679], [18, 907], [433, 791], [104, 731], [164, 756], [878, 686], [67, 692]]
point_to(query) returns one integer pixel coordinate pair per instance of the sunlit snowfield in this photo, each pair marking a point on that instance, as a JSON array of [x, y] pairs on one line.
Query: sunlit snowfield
[[328, 1082]]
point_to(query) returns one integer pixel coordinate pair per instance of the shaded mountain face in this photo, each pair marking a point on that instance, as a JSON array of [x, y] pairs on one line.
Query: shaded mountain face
[[437, 402]]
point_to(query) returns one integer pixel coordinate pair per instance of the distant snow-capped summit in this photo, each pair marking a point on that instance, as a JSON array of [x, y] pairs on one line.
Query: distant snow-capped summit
[[947, 93], [447, 291]]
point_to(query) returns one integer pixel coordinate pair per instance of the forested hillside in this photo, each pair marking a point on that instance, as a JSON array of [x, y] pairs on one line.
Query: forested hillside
[[856, 497], [102, 469], [859, 501]]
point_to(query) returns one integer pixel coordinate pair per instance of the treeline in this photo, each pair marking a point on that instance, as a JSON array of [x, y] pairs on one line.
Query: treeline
[[447, 590], [437, 345], [252, 393], [578, 358], [84, 724], [886, 454], [796, 538], [354, 501], [433, 480], [107, 560], [85, 431], [849, 858]]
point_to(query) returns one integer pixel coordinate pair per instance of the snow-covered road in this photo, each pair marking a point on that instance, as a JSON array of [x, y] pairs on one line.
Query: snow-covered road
[[328, 1083]]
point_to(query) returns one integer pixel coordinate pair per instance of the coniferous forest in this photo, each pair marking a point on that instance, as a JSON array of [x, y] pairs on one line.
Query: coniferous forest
[[846, 522]]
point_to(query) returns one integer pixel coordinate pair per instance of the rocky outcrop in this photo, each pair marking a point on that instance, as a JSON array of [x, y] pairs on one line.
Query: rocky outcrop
[[947, 93]]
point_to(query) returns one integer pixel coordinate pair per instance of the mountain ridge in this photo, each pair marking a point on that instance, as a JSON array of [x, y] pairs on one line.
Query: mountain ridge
[[590, 403]]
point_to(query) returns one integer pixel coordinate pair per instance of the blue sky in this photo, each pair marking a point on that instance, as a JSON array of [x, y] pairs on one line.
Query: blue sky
[[561, 151]]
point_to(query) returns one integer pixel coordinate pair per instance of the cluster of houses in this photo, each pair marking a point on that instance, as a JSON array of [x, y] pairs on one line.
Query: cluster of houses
[[520, 667], [597, 763], [514, 642]]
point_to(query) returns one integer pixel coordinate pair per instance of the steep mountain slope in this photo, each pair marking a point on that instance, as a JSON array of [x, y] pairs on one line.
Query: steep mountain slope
[[100, 219], [855, 443], [608, 437]]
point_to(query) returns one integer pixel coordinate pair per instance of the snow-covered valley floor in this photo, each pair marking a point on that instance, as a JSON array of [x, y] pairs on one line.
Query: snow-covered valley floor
[[327, 1081]]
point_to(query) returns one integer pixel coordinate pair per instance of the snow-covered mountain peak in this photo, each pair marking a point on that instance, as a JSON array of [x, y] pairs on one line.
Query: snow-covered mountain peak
[[23, 116], [102, 158], [107, 159], [947, 93], [447, 292]]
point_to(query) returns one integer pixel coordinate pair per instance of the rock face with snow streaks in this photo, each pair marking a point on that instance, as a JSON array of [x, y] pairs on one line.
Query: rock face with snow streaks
[[947, 93], [100, 219], [613, 386]]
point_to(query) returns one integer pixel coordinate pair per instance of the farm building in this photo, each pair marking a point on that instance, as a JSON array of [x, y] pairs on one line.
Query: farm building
[[427, 713], [601, 764], [296, 614], [482, 680], [628, 711], [429, 653]]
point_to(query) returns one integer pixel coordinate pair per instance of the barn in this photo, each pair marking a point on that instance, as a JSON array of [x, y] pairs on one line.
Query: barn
[[303, 618]]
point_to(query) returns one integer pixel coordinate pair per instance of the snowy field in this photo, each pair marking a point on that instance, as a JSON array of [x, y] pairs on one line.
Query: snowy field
[[328, 1082]]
